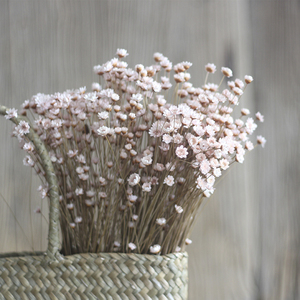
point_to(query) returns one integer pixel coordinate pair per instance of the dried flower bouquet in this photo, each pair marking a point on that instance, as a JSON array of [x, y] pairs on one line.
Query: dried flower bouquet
[[133, 169]]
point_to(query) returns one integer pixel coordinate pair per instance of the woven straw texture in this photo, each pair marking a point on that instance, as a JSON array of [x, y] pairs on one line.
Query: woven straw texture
[[94, 276]]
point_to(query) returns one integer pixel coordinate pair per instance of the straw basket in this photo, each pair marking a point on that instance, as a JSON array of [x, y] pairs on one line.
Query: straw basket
[[51, 275]]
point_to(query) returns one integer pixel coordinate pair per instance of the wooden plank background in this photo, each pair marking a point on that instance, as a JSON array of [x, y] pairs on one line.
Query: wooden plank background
[[246, 243]]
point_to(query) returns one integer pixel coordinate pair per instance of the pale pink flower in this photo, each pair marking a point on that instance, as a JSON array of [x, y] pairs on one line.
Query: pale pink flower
[[250, 125], [102, 181], [79, 170], [214, 163], [224, 164], [178, 249], [81, 159], [115, 97], [239, 158], [188, 241], [134, 179], [178, 209], [245, 111], [181, 152], [132, 198], [169, 180], [103, 115], [237, 91], [156, 129], [122, 53], [72, 153], [248, 79], [11, 113], [156, 87], [146, 187], [28, 147], [164, 147], [131, 246], [205, 166], [193, 140], [259, 117], [146, 160], [210, 181], [83, 177], [201, 183], [103, 130], [178, 138], [128, 147], [261, 140], [27, 161], [227, 72], [155, 249], [158, 167], [217, 172], [249, 145], [210, 68], [200, 157], [167, 138], [22, 128]]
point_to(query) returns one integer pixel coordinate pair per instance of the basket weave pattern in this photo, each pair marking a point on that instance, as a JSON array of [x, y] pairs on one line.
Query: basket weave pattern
[[94, 276]]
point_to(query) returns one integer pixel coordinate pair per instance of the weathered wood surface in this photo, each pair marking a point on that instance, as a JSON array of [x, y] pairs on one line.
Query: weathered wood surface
[[246, 242]]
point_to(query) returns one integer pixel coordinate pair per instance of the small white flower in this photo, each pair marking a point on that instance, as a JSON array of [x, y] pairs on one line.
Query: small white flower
[[227, 72], [259, 117], [134, 179], [70, 206], [11, 113], [181, 152], [103, 115], [217, 172], [161, 221], [146, 187], [146, 160], [103, 130], [131, 246], [122, 53], [155, 249], [224, 164], [210, 68], [79, 191], [188, 241], [261, 140], [178, 209], [248, 79], [78, 220], [169, 180], [117, 244]]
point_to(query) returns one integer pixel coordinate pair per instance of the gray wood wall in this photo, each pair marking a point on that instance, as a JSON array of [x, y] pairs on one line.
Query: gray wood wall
[[246, 243]]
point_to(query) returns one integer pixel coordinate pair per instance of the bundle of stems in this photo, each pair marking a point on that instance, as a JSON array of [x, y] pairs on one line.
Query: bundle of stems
[[132, 167]]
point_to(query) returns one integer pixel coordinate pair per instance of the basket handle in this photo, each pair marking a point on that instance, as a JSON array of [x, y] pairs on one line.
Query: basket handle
[[53, 233]]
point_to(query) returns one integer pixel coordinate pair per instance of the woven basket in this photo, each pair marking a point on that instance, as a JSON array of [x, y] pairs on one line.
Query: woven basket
[[90, 275]]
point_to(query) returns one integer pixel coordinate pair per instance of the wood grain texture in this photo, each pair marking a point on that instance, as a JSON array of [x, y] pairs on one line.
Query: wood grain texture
[[246, 241]]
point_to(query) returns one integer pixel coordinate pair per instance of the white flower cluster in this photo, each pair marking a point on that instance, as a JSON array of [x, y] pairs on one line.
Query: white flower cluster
[[126, 146]]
